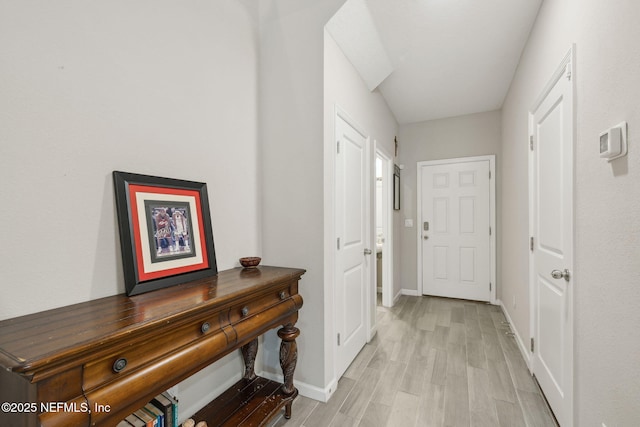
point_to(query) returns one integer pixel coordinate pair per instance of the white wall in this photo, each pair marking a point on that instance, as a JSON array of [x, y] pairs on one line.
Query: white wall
[[156, 87], [292, 149], [607, 200], [295, 198], [345, 89], [463, 136]]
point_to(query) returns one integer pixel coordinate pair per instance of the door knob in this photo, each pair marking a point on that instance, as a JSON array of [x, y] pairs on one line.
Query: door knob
[[367, 252], [557, 274]]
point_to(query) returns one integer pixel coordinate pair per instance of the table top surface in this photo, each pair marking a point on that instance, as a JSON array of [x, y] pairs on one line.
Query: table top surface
[[36, 338]]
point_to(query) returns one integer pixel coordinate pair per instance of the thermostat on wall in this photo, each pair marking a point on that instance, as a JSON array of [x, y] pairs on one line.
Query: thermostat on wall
[[613, 142]]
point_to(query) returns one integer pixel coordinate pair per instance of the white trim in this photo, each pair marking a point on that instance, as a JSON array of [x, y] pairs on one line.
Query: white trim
[[492, 215], [347, 118], [560, 71], [523, 348], [410, 292], [329, 352], [397, 297], [306, 390], [370, 188], [387, 246], [372, 333]]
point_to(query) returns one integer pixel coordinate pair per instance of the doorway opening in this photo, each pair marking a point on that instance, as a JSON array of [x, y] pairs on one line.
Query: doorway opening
[[383, 238]]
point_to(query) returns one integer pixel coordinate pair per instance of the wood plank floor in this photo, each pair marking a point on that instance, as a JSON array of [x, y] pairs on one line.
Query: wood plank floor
[[433, 362]]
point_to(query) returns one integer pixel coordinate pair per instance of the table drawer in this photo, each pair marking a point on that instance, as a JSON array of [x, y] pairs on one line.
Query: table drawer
[[258, 305], [141, 351]]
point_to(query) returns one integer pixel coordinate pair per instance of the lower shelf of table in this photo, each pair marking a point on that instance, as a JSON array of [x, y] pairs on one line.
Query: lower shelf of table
[[246, 403]]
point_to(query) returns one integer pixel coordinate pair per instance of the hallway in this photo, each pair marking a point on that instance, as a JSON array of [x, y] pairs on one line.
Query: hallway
[[433, 362]]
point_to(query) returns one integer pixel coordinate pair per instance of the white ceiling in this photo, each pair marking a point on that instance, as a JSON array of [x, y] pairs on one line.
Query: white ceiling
[[432, 59]]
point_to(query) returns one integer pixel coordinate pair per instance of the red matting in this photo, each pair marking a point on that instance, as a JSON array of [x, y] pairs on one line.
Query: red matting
[[135, 222]]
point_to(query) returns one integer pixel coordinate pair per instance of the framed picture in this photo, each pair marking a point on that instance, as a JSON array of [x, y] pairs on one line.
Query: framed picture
[[396, 187], [165, 231]]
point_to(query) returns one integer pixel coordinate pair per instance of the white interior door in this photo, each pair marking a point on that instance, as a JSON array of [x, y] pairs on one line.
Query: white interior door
[[455, 229], [353, 234], [551, 189]]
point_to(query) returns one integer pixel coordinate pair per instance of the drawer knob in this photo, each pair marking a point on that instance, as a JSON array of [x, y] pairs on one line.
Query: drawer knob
[[245, 311], [119, 365], [205, 327], [283, 295]]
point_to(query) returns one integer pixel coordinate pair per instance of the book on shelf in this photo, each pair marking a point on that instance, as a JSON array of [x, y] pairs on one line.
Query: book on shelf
[[174, 404], [148, 420], [155, 412], [166, 404], [134, 421], [162, 411]]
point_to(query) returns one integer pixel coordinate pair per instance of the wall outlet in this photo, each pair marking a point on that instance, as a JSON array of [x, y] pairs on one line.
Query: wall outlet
[[408, 223]]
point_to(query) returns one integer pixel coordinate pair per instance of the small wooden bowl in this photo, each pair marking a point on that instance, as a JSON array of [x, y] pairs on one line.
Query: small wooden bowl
[[250, 261]]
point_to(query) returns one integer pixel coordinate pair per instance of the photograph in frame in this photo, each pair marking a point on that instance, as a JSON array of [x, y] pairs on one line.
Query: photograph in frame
[[165, 231]]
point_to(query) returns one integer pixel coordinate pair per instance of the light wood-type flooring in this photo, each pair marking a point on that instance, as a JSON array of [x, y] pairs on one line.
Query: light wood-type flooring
[[433, 362]]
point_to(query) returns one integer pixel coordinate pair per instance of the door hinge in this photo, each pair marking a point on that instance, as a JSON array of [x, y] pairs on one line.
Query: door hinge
[[489, 286], [338, 339], [338, 147], [532, 346], [531, 142], [338, 243], [489, 231], [489, 174], [531, 244]]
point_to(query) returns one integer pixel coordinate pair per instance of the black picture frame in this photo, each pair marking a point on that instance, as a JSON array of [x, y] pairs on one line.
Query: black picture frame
[[396, 187], [165, 231]]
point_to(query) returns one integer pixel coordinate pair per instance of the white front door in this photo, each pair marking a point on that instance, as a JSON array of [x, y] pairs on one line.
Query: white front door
[[551, 223], [353, 234], [455, 229]]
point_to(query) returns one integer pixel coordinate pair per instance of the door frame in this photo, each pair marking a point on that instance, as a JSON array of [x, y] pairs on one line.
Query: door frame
[[387, 246], [492, 214], [560, 72], [369, 309]]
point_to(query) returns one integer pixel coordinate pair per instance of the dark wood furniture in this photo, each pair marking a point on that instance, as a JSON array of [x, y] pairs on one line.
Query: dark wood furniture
[[97, 362]]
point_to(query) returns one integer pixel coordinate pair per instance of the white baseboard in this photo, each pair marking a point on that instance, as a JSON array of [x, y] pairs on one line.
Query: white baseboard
[[410, 292], [372, 333], [397, 297], [523, 348], [306, 390]]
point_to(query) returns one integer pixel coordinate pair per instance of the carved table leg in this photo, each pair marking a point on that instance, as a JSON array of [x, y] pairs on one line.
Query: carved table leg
[[288, 360], [249, 352]]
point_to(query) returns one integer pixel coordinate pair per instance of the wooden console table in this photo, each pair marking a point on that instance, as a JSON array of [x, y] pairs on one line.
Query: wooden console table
[[94, 363]]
